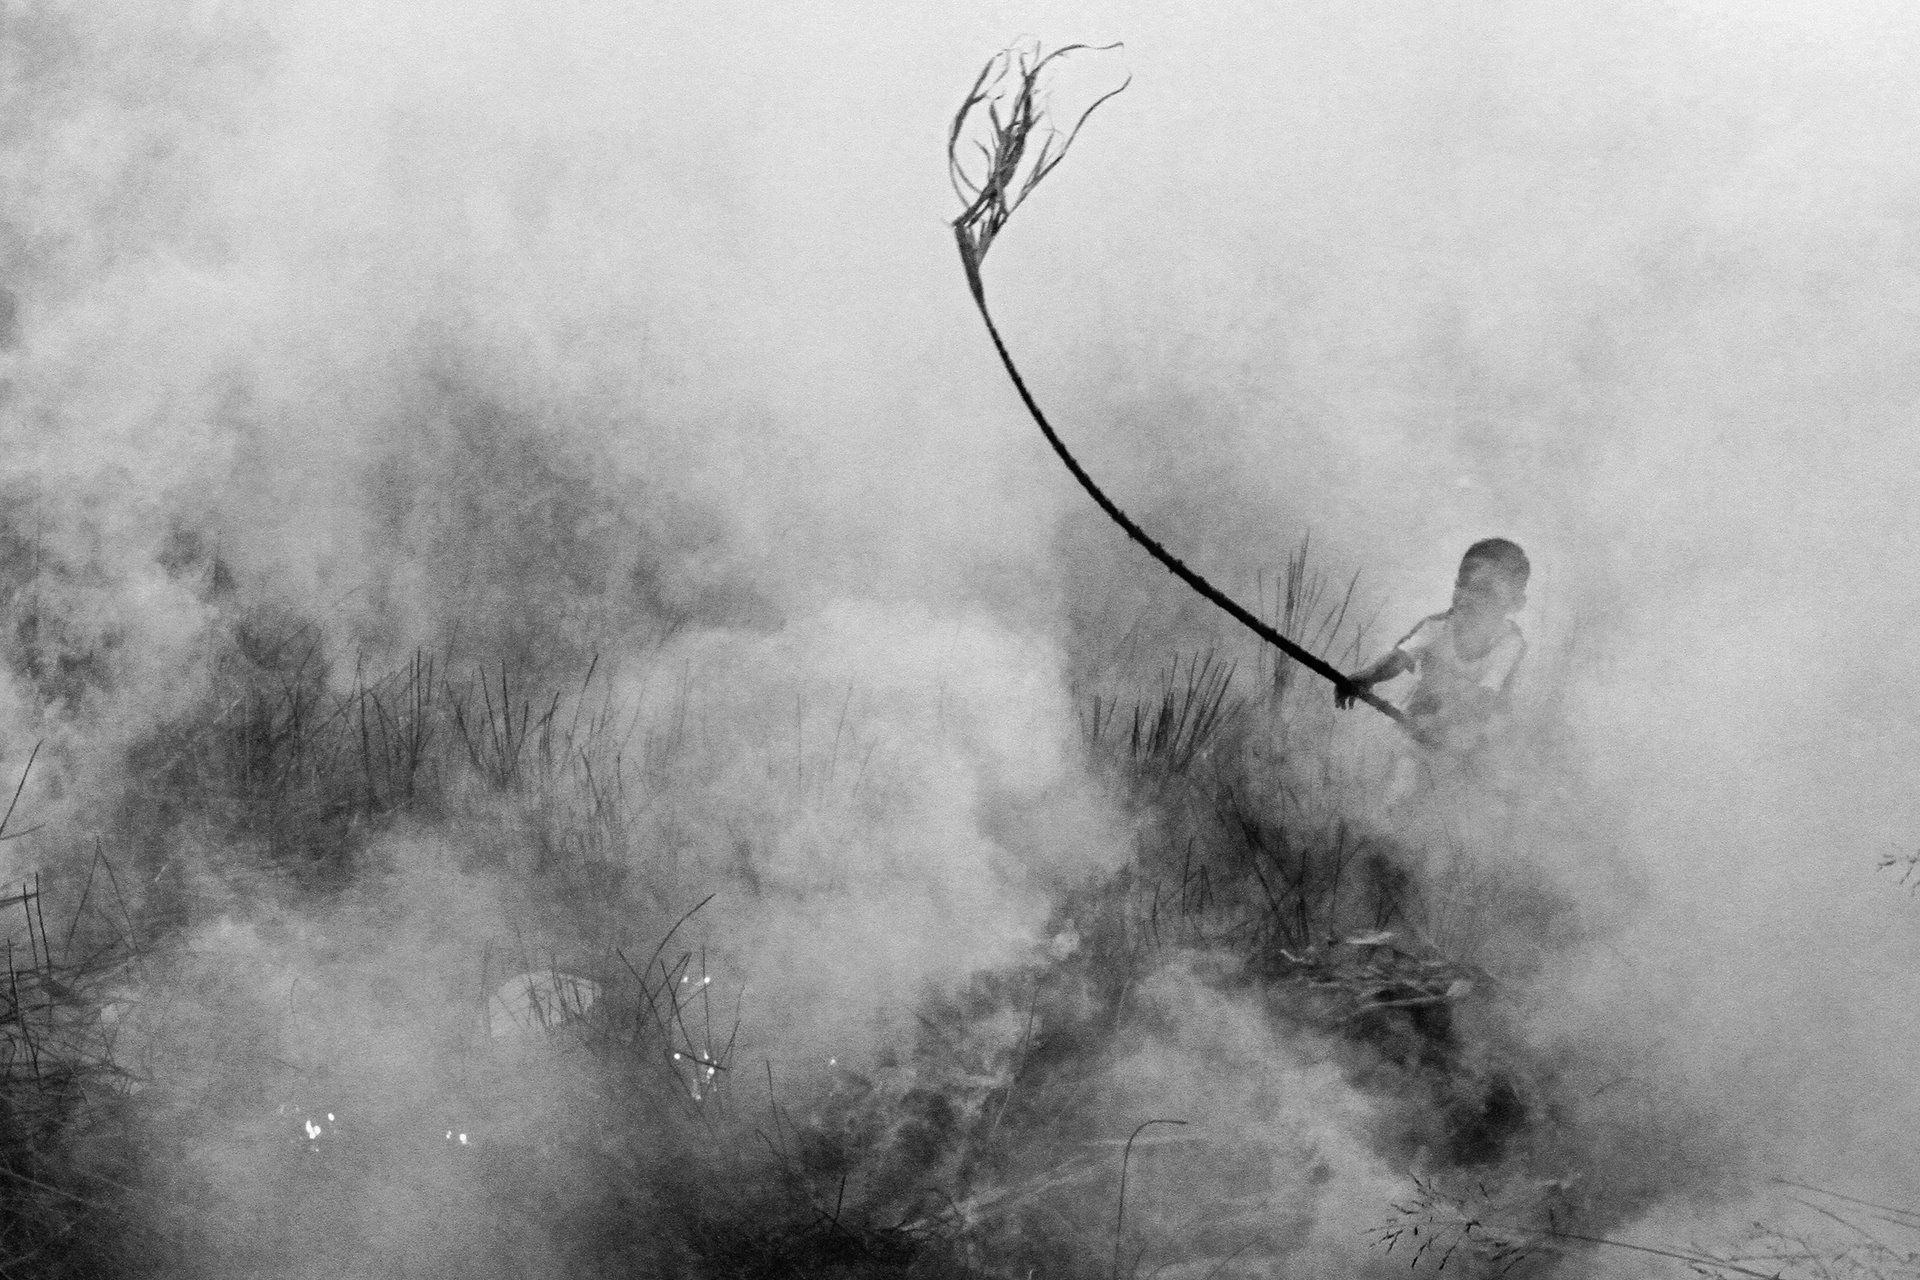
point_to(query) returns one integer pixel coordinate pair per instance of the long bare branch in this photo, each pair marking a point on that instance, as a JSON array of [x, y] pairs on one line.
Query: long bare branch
[[1011, 79]]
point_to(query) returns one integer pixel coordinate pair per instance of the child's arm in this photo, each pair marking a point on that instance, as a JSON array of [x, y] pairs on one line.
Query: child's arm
[[1394, 662]]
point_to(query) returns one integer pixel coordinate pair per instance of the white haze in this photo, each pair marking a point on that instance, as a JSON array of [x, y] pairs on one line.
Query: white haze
[[1637, 285]]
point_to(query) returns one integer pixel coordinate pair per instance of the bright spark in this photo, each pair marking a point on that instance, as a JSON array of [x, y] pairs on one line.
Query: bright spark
[[314, 1130]]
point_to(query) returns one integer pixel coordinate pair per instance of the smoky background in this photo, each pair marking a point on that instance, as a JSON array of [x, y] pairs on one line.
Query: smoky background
[[629, 340]]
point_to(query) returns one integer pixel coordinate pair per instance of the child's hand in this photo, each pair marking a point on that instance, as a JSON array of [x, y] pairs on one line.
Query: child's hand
[[1348, 688]]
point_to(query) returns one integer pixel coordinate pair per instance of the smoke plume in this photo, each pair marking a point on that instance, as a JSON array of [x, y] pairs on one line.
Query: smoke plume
[[613, 359]]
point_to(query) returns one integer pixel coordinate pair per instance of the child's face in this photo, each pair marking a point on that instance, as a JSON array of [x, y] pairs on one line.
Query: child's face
[[1485, 590]]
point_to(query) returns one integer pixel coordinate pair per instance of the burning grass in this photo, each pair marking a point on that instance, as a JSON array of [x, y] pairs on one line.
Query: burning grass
[[240, 1047]]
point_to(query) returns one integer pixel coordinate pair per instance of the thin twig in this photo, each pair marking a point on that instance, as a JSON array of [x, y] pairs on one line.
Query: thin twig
[[1120, 1213], [19, 787], [1865, 1204]]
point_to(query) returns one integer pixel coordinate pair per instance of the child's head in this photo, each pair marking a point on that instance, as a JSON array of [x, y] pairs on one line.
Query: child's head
[[1493, 577]]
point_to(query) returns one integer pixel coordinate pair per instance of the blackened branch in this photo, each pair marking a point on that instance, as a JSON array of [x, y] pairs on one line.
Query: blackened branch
[[1021, 148]]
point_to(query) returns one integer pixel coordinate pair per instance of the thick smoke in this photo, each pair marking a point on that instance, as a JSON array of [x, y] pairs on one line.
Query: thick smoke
[[595, 337]]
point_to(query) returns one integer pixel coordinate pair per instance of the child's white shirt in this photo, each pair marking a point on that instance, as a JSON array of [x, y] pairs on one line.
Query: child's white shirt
[[1444, 674]]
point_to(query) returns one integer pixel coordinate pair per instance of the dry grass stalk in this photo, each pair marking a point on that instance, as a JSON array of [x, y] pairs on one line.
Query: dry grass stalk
[[1008, 88], [1503, 1228]]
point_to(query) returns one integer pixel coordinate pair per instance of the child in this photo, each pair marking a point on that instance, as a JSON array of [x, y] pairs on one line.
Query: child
[[1465, 657]]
